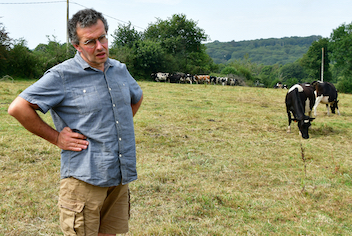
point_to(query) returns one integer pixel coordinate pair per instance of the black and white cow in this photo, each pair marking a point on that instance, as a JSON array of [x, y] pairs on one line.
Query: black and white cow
[[325, 93], [176, 77], [300, 100], [160, 76], [222, 80]]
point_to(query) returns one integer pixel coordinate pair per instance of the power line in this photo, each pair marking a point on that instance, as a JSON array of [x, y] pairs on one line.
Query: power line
[[24, 3], [21, 3]]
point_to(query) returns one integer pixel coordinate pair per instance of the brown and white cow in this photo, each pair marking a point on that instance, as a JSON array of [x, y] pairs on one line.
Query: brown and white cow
[[300, 100], [202, 79], [325, 93]]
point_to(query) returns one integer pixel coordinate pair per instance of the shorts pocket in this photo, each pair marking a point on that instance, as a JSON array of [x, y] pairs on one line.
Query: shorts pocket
[[71, 217]]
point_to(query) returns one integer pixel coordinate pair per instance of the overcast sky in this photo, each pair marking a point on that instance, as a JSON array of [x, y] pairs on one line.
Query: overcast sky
[[223, 20]]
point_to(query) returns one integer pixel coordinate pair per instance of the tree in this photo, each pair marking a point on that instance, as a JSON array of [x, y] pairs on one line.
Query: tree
[[125, 36], [292, 71], [141, 56], [311, 60], [182, 39], [177, 35], [148, 57], [51, 54], [341, 46], [5, 43], [21, 61]]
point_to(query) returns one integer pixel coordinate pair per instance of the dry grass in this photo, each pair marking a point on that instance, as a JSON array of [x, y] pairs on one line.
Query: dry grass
[[212, 160]]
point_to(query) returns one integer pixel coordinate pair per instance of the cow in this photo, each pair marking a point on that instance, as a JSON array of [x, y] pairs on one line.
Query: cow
[[300, 100], [223, 80], [188, 78], [160, 76], [325, 93], [232, 81], [213, 80], [176, 77], [202, 79], [278, 85]]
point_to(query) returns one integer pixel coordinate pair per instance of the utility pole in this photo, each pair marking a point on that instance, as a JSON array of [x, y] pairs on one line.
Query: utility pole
[[67, 17], [322, 65]]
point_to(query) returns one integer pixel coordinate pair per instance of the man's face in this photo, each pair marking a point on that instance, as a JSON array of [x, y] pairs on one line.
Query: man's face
[[96, 56]]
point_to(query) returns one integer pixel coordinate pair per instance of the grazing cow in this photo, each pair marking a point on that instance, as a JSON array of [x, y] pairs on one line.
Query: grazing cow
[[223, 80], [202, 79], [232, 81], [187, 79], [160, 76], [278, 85], [176, 77], [325, 93], [213, 80], [300, 100]]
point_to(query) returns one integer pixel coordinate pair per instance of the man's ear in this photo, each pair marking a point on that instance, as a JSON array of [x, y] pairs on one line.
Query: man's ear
[[77, 47]]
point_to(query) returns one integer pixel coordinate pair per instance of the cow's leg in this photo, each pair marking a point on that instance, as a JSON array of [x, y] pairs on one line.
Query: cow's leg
[[327, 108], [289, 122], [317, 101]]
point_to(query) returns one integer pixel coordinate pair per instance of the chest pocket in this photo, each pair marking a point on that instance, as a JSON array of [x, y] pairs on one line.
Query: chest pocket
[[125, 91], [87, 99]]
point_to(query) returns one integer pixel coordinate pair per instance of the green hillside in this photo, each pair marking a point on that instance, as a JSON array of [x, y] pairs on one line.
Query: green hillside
[[261, 51]]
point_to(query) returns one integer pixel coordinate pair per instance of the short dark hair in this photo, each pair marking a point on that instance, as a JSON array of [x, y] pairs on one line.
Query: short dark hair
[[84, 18]]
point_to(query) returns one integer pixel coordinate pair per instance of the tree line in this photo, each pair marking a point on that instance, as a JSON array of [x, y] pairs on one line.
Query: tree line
[[261, 51], [177, 45]]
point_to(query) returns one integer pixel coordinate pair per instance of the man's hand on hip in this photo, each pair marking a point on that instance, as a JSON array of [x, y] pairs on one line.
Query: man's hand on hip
[[69, 140]]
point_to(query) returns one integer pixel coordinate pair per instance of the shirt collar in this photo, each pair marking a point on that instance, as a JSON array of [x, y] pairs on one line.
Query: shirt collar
[[85, 64]]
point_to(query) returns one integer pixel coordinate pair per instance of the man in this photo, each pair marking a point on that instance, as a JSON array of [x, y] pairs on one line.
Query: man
[[92, 100]]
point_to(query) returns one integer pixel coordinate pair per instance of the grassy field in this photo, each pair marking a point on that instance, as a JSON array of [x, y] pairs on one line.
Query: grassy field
[[212, 160]]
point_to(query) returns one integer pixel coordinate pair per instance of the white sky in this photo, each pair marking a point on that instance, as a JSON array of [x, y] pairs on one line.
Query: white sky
[[223, 20]]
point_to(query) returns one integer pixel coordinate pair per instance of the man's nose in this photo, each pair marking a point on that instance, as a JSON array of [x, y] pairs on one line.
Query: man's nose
[[98, 44]]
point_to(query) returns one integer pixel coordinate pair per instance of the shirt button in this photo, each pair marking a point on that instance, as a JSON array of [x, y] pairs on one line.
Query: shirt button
[[120, 155], [120, 139], [117, 122], [109, 89], [84, 90], [113, 105]]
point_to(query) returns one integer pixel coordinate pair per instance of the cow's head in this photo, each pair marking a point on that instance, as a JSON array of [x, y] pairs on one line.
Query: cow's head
[[303, 126], [333, 106]]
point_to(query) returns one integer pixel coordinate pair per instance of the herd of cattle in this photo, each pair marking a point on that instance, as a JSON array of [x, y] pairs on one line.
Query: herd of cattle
[[193, 79], [302, 99]]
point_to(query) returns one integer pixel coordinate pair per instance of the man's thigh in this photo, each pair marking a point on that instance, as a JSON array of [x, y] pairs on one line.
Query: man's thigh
[[84, 208]]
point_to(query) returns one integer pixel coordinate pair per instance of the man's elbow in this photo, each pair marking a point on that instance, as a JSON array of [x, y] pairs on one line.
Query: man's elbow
[[19, 106], [12, 110]]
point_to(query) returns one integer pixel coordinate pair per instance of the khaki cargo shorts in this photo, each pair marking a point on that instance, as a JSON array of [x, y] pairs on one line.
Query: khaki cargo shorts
[[88, 210]]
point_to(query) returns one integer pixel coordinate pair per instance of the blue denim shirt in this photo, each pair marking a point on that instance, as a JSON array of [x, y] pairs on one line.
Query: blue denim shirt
[[98, 105]]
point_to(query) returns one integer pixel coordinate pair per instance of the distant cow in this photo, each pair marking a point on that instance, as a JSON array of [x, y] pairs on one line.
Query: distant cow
[[213, 80], [325, 93], [176, 77], [279, 85], [202, 79], [223, 80], [160, 76], [189, 78], [300, 100], [232, 81]]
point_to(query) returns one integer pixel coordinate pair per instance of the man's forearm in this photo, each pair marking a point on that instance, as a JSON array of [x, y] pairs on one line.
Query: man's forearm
[[26, 114]]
